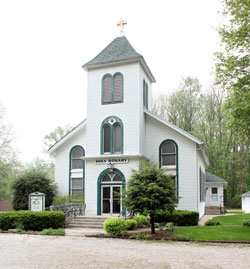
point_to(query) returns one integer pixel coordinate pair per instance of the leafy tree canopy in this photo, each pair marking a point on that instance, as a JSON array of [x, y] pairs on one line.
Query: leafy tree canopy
[[56, 135], [233, 62], [150, 189], [31, 180]]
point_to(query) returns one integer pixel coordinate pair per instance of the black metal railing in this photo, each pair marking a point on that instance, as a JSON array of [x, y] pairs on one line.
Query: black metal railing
[[70, 210]]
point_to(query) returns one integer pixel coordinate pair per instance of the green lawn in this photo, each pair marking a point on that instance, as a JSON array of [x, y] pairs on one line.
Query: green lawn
[[226, 233], [235, 211], [232, 229], [233, 219]]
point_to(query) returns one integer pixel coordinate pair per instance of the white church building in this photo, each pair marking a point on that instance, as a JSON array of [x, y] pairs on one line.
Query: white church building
[[95, 159]]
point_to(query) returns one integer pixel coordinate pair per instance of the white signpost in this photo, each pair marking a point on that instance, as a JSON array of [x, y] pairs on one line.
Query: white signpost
[[37, 201]]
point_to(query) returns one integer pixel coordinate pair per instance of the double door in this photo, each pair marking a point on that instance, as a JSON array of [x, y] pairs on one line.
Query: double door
[[111, 199]]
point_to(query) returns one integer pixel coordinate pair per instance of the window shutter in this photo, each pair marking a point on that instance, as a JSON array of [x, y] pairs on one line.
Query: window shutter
[[107, 89], [144, 93], [146, 96], [118, 88]]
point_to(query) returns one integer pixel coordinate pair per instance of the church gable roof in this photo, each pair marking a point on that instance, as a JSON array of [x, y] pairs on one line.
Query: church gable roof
[[119, 50]]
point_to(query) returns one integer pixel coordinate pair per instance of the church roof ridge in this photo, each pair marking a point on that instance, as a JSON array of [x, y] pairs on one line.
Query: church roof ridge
[[119, 50], [174, 127], [67, 136]]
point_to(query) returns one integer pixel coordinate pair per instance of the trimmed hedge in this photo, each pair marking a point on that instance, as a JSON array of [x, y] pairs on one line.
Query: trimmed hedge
[[114, 226], [35, 221], [130, 224], [178, 217]]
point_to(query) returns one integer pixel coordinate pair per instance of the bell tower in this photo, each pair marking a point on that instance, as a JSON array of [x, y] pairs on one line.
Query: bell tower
[[115, 102]]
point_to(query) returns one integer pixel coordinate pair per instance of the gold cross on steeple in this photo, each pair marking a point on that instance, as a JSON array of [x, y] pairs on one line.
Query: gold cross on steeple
[[121, 23]]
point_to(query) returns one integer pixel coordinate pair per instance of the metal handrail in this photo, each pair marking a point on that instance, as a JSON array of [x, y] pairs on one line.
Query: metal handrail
[[70, 210]]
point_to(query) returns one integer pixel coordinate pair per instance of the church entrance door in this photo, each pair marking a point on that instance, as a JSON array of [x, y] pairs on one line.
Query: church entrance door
[[111, 199]]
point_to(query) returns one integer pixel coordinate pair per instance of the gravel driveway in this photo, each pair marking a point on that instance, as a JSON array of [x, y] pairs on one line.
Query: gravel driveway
[[30, 251]]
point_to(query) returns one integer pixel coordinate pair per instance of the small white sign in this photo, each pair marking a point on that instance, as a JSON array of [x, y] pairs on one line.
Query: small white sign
[[111, 160], [36, 203]]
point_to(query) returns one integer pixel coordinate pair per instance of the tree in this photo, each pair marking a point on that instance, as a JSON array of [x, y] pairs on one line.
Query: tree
[[56, 135], [29, 181], [233, 63], [6, 136], [181, 107], [150, 189]]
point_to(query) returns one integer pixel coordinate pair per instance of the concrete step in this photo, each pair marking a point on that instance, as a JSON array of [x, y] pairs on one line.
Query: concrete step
[[212, 210], [86, 221], [95, 222], [95, 217], [91, 226]]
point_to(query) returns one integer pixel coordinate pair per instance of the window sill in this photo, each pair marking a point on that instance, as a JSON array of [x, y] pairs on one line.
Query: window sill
[[170, 167]]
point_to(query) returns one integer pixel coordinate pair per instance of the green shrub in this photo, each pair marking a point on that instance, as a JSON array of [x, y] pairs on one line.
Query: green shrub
[[178, 217], [28, 182], [147, 236], [212, 223], [246, 223], [142, 221], [130, 224], [35, 221], [114, 226]]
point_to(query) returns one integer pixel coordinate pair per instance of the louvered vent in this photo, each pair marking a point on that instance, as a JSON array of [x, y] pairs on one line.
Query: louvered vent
[[107, 89], [118, 88]]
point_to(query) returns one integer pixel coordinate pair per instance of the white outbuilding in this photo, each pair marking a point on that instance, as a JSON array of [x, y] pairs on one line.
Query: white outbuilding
[[245, 200], [95, 159], [214, 194]]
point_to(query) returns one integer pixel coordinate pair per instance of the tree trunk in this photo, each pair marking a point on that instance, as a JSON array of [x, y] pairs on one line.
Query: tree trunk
[[152, 223]]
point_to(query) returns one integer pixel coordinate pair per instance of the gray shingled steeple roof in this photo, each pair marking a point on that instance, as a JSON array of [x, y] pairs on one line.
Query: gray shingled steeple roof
[[213, 178], [117, 51]]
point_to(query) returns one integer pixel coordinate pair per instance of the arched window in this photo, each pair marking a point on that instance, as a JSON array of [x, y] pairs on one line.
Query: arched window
[[107, 89], [112, 136], [145, 94], [168, 158], [76, 154], [76, 180], [168, 153], [112, 88], [111, 177]]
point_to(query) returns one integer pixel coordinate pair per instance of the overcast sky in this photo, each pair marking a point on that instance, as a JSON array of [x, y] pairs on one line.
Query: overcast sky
[[43, 45]]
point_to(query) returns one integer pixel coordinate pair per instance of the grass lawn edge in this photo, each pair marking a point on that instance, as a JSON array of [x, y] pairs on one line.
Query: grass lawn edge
[[29, 233], [173, 240]]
